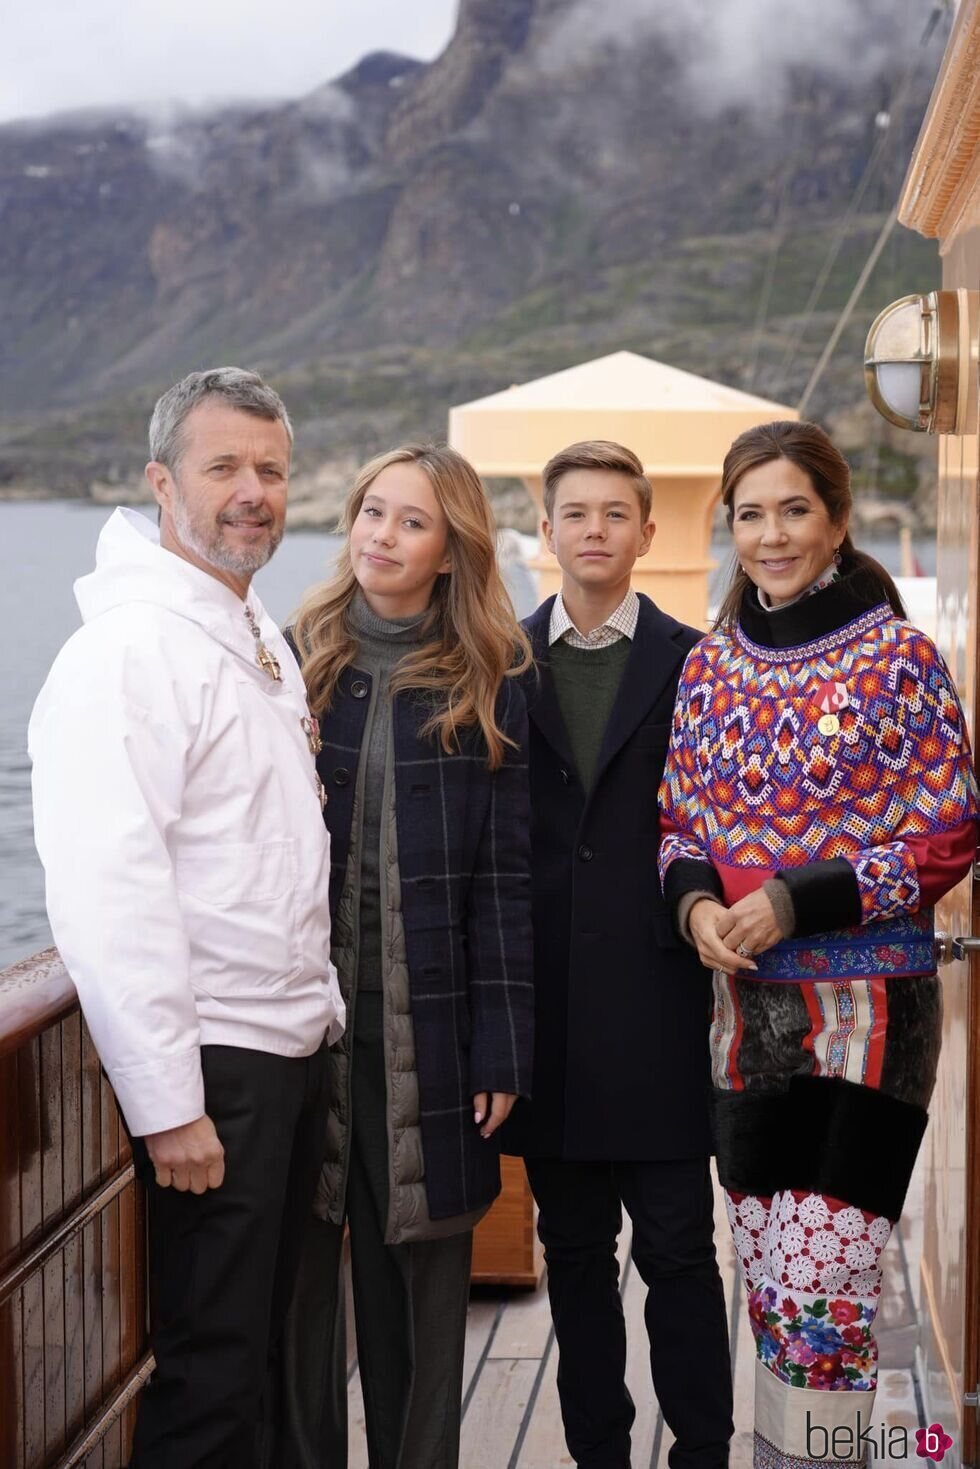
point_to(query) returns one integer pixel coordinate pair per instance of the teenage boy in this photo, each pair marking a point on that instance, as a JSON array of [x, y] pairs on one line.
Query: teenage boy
[[619, 1116]]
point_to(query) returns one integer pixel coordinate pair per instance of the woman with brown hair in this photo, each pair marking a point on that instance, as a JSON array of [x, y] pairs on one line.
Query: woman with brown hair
[[818, 800], [410, 655]]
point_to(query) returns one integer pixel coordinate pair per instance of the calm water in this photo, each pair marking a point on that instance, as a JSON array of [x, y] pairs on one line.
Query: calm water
[[43, 548]]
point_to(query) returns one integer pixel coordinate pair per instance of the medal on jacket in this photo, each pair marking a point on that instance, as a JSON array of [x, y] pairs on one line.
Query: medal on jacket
[[311, 728], [830, 698], [266, 660]]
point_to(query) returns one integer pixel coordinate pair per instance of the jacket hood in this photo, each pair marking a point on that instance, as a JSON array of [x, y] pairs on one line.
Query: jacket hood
[[131, 567]]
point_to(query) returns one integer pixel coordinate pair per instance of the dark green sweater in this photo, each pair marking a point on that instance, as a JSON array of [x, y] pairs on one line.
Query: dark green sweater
[[586, 682]]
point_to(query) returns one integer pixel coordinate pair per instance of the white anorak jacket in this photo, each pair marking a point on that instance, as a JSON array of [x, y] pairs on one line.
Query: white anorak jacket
[[177, 817]]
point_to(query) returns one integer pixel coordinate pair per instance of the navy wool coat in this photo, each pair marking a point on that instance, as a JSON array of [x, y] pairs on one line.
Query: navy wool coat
[[463, 857], [622, 1006]]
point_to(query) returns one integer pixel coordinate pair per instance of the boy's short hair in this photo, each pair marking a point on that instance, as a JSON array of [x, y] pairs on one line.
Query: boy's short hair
[[597, 454]]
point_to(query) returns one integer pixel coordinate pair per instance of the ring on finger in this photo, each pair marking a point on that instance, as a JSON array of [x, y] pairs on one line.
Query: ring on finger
[[745, 952]]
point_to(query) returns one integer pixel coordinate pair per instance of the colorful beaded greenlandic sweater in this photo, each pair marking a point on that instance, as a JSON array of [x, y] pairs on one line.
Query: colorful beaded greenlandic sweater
[[822, 743]]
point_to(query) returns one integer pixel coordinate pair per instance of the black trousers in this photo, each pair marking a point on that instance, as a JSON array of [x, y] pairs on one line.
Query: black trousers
[[580, 1217], [223, 1264]]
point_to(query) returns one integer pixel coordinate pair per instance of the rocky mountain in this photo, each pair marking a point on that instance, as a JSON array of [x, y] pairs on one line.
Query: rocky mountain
[[561, 182]]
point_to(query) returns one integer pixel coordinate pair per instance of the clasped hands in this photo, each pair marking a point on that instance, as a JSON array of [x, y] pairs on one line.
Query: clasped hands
[[718, 931]]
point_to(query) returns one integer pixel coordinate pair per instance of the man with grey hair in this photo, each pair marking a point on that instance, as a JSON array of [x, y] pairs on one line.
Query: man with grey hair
[[178, 815], [206, 530]]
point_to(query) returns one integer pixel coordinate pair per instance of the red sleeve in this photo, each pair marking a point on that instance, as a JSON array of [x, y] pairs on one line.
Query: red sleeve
[[943, 860]]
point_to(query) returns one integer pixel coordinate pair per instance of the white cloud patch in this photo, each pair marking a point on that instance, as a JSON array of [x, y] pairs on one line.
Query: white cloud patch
[[323, 175], [744, 52], [181, 141]]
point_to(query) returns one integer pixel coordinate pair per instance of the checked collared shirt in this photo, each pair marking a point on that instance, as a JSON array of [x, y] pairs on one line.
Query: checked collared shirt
[[619, 624]]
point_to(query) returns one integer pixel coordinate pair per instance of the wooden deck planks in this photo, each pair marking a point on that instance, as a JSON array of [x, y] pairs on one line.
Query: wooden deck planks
[[496, 1411], [524, 1327], [543, 1446], [482, 1322]]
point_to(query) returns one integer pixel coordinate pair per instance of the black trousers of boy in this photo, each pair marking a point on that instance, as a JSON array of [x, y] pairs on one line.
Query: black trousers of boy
[[580, 1217], [222, 1264]]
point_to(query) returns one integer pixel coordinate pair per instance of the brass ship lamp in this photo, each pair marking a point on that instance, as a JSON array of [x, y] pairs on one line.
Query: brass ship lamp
[[920, 361]]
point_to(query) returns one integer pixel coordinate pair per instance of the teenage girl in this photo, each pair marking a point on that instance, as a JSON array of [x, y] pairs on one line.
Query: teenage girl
[[411, 655]]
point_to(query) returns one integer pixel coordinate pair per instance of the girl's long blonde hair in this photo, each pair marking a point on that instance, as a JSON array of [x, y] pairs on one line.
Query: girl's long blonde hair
[[472, 639]]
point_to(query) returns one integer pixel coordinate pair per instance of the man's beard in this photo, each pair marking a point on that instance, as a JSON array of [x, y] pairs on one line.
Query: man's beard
[[208, 543]]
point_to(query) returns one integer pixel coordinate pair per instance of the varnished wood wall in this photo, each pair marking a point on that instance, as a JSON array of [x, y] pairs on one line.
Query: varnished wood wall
[[73, 1311]]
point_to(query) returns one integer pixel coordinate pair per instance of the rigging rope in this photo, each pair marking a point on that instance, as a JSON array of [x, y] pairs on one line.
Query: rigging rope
[[845, 315], [778, 236], [878, 152]]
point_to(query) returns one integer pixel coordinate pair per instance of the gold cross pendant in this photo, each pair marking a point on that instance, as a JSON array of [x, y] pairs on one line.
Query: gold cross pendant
[[268, 663]]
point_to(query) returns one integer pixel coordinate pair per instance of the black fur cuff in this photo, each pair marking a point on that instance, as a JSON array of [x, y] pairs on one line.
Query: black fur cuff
[[825, 895]]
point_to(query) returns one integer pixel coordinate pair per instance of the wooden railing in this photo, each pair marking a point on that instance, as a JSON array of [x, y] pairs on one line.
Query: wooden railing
[[73, 1310]]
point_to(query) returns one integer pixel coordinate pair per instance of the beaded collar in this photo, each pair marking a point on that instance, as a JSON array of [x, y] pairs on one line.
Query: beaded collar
[[816, 647]]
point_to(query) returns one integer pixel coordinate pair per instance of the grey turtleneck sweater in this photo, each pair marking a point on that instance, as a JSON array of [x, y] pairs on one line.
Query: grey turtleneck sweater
[[382, 644]]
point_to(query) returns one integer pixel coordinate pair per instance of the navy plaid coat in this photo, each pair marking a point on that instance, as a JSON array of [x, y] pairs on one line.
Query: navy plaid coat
[[463, 857]]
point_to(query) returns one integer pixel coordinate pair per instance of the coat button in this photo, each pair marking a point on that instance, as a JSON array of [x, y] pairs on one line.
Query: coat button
[[565, 776], [585, 853], [359, 689], [341, 777]]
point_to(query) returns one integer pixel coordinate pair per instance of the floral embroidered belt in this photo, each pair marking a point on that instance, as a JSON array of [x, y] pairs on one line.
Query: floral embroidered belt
[[904, 945]]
